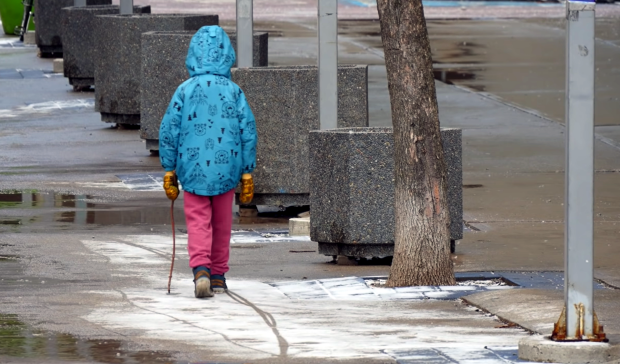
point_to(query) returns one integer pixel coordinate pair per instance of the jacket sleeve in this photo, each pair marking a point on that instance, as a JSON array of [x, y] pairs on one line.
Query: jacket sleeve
[[169, 132], [249, 137]]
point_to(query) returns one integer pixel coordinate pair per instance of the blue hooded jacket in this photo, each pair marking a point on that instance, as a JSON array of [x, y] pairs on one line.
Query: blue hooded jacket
[[208, 134]]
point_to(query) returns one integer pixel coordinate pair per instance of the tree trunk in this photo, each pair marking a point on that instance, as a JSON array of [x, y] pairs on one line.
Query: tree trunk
[[422, 240]]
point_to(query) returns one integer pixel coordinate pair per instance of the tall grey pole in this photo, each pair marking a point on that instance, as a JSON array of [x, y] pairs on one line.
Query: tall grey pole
[[79, 3], [126, 7], [328, 64], [245, 33], [579, 199]]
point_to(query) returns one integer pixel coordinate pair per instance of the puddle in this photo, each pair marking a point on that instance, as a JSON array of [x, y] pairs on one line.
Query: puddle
[[21, 341], [459, 77], [259, 223], [523, 62], [10, 222], [267, 217], [23, 211], [9, 259], [453, 63], [25, 199], [34, 208], [473, 186]]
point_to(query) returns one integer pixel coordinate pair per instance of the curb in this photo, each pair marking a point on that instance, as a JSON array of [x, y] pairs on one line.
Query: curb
[[540, 348]]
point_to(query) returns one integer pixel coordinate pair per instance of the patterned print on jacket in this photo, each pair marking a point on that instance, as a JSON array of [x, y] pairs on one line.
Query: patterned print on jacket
[[208, 134]]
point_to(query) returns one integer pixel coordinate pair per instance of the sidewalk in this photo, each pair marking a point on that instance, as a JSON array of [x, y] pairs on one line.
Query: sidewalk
[[103, 280], [269, 10]]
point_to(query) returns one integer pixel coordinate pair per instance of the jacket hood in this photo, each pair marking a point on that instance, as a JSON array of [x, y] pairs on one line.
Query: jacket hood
[[210, 52]]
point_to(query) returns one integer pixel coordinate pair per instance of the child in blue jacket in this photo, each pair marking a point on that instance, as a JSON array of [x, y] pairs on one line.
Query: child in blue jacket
[[208, 137]]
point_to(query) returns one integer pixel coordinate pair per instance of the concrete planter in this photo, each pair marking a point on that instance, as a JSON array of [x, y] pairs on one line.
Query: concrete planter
[[352, 190], [79, 42], [48, 35], [285, 102], [163, 70], [118, 59]]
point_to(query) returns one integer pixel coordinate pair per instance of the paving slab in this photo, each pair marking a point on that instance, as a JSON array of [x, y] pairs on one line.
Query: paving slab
[[538, 309]]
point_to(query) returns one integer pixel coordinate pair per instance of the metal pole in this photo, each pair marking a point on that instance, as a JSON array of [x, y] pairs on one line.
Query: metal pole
[[328, 64], [23, 29], [126, 7], [79, 3], [579, 206], [245, 33]]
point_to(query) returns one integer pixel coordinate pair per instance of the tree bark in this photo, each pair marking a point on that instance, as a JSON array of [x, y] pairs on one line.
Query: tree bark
[[422, 240]]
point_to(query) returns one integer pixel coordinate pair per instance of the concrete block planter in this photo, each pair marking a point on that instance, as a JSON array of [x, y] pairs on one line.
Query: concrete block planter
[[352, 190], [118, 59], [163, 70], [48, 36], [79, 42], [285, 103]]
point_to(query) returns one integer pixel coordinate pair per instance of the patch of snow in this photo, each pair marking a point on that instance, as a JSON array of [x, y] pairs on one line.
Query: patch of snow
[[340, 318], [47, 107], [484, 283]]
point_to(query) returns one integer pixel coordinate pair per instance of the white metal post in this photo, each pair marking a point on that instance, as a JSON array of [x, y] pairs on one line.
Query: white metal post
[[126, 7], [579, 200], [328, 64], [79, 3], [245, 33]]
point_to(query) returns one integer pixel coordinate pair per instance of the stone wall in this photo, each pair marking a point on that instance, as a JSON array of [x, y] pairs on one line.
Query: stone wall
[[118, 59], [352, 190], [163, 73], [285, 103]]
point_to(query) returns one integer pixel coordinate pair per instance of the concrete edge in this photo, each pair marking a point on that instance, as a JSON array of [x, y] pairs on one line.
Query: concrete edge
[[541, 348], [58, 65], [299, 226], [30, 38]]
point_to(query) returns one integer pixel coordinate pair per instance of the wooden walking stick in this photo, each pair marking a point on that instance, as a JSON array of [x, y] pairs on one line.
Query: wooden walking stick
[[174, 243], [171, 186]]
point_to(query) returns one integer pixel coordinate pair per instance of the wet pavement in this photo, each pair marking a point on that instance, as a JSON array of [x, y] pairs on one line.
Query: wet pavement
[[85, 240], [19, 340], [529, 71], [366, 9], [40, 211]]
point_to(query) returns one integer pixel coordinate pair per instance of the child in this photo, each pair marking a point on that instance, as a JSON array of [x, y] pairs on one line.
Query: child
[[208, 136]]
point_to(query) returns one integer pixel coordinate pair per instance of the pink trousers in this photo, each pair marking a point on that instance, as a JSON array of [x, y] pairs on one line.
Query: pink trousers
[[209, 224]]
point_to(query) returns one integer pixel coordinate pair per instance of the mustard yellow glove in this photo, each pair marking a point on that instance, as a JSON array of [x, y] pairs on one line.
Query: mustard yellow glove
[[247, 189], [171, 185]]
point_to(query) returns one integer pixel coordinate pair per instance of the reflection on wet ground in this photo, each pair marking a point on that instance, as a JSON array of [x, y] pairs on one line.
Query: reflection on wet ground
[[452, 77], [9, 258], [259, 223], [21, 341], [523, 62], [29, 208], [269, 218], [24, 210], [35, 199]]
